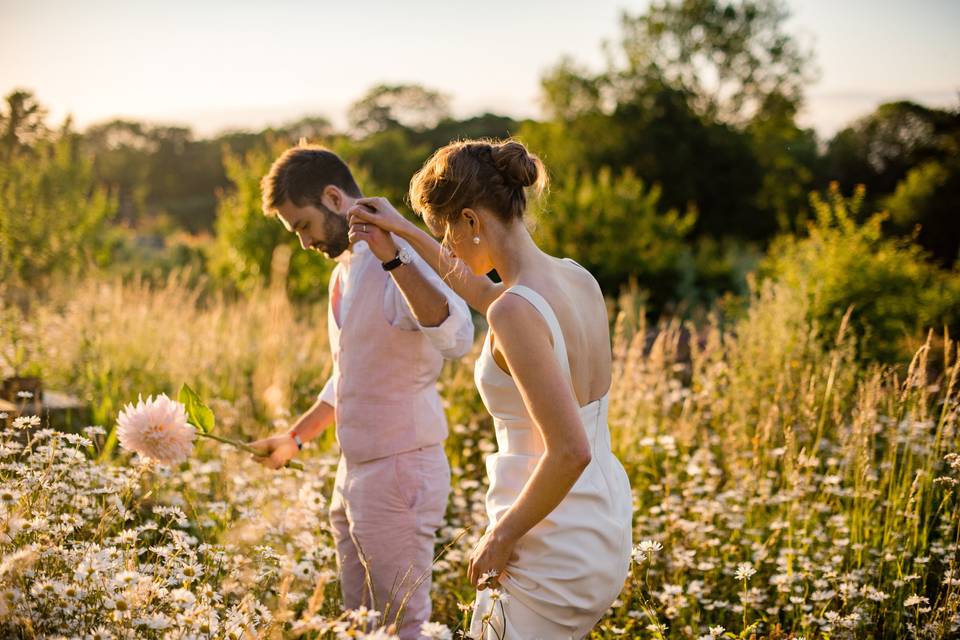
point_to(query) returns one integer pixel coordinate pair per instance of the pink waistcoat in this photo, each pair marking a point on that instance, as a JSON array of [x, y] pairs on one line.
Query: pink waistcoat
[[387, 400]]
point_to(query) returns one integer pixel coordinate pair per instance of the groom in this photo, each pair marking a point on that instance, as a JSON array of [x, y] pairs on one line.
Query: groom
[[391, 320]]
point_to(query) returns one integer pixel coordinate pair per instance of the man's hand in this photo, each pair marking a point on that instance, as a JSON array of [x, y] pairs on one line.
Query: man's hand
[[381, 242], [276, 450]]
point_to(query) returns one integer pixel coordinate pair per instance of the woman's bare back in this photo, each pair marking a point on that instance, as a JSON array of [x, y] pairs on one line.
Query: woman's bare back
[[578, 303]]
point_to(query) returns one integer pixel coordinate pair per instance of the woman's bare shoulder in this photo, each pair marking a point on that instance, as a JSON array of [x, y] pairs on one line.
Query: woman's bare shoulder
[[580, 278]]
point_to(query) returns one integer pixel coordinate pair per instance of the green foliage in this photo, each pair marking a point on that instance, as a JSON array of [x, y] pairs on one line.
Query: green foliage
[[702, 100], [614, 226], [914, 191], [383, 162], [905, 155], [52, 215], [929, 197], [894, 290], [487, 125], [728, 57], [571, 91], [198, 414], [157, 171], [879, 149], [716, 271], [22, 123], [787, 156], [659, 137], [387, 107], [699, 98]]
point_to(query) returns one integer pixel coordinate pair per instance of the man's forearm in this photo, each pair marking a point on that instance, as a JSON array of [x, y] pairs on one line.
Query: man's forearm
[[428, 304], [314, 421]]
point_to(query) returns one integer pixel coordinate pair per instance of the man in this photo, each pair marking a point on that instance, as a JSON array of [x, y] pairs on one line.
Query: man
[[391, 320]]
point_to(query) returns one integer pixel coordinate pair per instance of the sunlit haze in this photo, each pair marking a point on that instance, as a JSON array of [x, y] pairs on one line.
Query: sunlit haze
[[219, 65]]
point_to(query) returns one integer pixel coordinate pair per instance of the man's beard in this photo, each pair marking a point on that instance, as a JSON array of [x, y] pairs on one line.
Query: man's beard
[[336, 230]]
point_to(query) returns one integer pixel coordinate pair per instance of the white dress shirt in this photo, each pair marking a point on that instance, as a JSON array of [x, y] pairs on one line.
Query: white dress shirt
[[453, 337]]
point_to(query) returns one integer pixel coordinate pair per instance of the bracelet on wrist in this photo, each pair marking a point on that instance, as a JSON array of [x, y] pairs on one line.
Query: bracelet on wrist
[[297, 439]]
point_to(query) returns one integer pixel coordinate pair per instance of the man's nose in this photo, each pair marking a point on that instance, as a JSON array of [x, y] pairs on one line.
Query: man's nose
[[304, 239]]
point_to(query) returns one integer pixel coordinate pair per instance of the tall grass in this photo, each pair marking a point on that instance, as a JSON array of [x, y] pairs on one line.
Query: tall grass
[[110, 340], [795, 490], [762, 445]]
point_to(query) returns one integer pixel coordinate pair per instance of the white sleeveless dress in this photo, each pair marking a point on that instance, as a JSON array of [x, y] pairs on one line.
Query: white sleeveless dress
[[569, 568]]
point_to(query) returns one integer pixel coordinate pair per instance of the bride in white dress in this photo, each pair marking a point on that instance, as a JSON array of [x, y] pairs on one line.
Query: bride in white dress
[[559, 503]]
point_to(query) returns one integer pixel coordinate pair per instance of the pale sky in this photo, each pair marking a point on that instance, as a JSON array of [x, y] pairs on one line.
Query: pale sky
[[240, 64]]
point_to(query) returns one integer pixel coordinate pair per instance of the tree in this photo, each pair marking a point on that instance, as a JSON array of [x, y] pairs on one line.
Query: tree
[[52, 214], [22, 123], [184, 176], [311, 128], [879, 149], [787, 156], [701, 99], [615, 226], [727, 56], [121, 151], [927, 202], [487, 125], [905, 154], [657, 135], [385, 161], [404, 105], [569, 92]]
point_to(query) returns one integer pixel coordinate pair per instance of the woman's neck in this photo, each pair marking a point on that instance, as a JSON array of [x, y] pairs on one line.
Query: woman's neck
[[515, 254]]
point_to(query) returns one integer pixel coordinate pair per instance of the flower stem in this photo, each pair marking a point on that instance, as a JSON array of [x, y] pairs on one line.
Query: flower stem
[[293, 464]]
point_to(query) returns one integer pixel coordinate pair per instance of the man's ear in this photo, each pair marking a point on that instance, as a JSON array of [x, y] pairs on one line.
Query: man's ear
[[332, 198]]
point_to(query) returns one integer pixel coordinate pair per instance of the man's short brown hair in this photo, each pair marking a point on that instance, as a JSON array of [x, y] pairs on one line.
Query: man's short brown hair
[[301, 174]]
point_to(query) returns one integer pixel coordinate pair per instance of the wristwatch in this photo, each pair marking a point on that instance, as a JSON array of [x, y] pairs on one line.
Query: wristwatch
[[403, 257]]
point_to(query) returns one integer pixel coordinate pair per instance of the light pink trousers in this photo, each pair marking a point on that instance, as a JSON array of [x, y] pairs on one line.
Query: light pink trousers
[[388, 511]]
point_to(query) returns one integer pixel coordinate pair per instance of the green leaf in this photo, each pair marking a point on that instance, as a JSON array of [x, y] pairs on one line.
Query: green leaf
[[198, 413]]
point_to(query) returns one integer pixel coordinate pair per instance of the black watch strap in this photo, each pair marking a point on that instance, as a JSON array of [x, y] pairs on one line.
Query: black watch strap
[[393, 264]]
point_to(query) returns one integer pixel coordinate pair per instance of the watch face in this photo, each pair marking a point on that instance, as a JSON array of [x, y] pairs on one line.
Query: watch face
[[405, 256]]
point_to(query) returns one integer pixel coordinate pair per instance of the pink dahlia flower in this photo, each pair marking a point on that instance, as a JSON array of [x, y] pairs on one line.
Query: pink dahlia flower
[[157, 429]]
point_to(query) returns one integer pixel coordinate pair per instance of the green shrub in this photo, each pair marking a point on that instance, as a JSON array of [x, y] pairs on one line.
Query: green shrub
[[614, 226], [52, 216], [896, 292]]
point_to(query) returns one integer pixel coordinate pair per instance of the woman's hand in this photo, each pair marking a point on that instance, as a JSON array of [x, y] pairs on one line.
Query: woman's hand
[[380, 212], [489, 559], [380, 242], [276, 451]]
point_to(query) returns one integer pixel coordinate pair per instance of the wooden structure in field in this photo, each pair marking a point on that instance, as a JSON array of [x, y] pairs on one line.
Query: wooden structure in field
[[26, 397]]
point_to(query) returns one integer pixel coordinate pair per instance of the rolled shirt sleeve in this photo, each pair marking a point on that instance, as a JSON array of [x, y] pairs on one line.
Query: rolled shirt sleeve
[[329, 392], [453, 337]]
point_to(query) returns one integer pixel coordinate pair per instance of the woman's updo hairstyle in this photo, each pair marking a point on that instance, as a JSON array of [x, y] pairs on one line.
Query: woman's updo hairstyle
[[476, 173]]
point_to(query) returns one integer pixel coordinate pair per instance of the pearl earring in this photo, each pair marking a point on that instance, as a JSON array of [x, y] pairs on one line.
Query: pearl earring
[[476, 239]]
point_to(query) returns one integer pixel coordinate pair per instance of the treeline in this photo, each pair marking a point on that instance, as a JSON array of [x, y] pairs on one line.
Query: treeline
[[678, 166]]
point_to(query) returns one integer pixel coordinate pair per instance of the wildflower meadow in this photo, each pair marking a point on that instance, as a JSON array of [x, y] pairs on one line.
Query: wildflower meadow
[[766, 192], [782, 489]]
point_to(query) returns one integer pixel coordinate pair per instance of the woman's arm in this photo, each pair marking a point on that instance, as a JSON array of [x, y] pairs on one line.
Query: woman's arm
[[425, 298], [523, 337], [478, 291]]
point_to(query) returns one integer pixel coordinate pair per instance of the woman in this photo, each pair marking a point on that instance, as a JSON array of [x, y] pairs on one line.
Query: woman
[[559, 502]]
